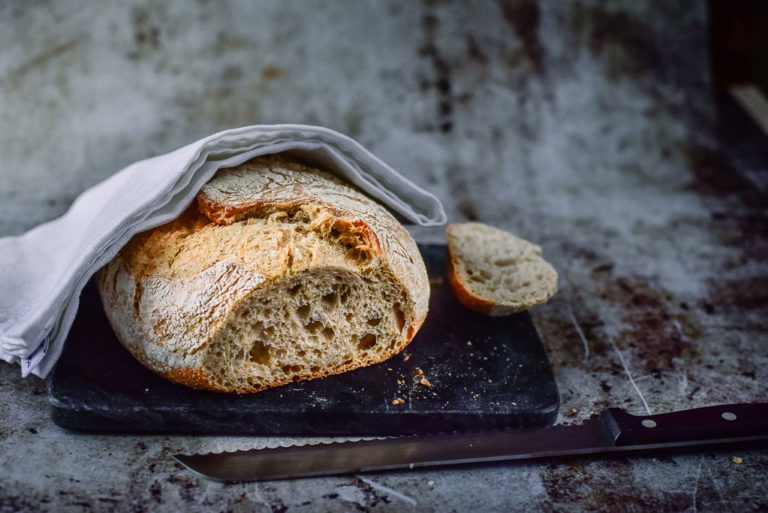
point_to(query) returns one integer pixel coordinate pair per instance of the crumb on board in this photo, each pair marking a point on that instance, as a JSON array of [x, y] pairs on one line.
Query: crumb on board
[[469, 342], [398, 401], [406, 357], [425, 382], [572, 412], [419, 372], [737, 460], [401, 382]]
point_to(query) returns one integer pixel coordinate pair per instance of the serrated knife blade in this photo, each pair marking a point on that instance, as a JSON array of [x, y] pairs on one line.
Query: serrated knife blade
[[612, 431]]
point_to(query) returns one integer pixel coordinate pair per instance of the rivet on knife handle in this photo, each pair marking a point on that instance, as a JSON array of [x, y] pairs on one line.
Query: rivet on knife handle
[[712, 422]]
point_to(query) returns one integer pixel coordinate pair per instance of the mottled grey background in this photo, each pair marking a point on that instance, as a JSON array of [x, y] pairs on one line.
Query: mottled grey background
[[590, 127]]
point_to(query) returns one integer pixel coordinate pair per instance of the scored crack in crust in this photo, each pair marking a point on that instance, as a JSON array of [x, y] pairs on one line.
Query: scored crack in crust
[[277, 273]]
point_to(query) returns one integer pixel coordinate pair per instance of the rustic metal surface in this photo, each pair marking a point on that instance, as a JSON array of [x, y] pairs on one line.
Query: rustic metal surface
[[589, 128]]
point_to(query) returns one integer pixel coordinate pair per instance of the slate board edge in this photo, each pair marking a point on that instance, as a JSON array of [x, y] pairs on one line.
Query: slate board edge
[[83, 421]]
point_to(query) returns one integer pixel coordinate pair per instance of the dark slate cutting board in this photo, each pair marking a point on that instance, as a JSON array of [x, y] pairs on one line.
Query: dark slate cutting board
[[484, 372]]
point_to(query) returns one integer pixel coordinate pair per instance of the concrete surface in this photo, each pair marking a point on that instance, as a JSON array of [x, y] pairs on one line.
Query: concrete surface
[[589, 127]]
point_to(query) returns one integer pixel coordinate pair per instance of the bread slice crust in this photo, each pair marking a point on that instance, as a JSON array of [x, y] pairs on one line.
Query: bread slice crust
[[277, 273]]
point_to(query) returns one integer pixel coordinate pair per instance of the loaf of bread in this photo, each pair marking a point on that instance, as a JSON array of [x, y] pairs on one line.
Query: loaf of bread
[[496, 273], [277, 273]]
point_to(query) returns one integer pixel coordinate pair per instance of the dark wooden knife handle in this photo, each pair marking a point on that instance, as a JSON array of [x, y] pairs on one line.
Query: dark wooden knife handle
[[712, 422]]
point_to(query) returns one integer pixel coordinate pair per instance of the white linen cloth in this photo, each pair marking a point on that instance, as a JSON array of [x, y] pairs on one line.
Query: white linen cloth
[[43, 271]]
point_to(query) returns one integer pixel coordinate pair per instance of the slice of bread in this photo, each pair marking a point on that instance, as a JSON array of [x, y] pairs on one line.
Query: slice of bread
[[495, 273]]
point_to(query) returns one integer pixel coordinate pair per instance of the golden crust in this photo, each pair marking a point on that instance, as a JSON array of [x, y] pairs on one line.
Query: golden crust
[[462, 292], [193, 378]]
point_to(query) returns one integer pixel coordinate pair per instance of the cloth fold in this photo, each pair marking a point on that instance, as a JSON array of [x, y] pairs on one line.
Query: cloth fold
[[43, 271]]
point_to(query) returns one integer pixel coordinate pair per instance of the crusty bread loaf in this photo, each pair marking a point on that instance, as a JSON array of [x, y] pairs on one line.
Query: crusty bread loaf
[[496, 273], [278, 273]]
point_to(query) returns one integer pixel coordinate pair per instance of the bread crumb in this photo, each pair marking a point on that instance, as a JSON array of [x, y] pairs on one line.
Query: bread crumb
[[398, 401], [572, 412], [469, 342], [406, 357], [419, 372], [430, 483], [737, 460], [514, 403], [425, 382]]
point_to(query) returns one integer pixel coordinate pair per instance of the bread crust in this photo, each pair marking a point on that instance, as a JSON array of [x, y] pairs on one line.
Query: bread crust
[[462, 292], [173, 290]]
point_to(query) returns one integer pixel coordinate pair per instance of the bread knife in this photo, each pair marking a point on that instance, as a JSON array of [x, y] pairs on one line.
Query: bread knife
[[610, 432]]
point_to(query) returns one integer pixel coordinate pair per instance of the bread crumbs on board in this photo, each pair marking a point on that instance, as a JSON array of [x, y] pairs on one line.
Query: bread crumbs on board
[[425, 382], [398, 401]]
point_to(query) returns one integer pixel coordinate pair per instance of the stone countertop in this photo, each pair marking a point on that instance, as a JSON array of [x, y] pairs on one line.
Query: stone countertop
[[590, 129]]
